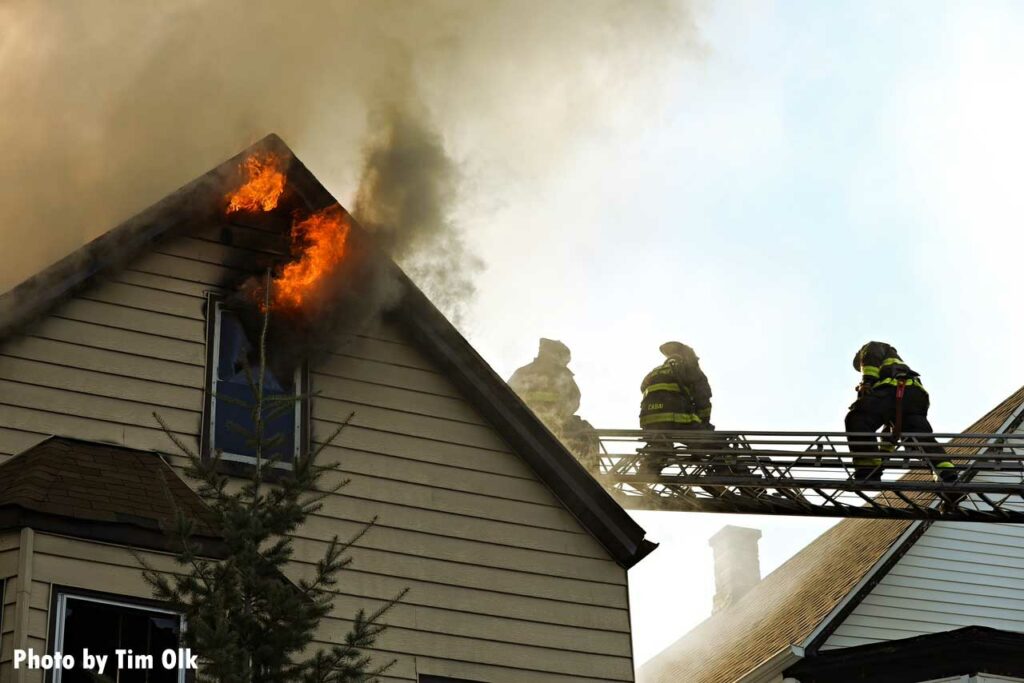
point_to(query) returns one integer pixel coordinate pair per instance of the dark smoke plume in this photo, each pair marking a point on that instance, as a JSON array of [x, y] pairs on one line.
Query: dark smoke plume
[[406, 195], [107, 106]]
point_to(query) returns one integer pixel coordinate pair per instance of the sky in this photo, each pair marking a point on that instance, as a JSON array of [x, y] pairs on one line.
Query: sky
[[797, 178], [823, 175]]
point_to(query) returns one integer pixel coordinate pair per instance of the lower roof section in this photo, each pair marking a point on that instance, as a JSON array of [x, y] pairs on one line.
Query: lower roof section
[[101, 492]]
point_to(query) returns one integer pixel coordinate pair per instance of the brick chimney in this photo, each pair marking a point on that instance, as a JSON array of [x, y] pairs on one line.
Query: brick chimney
[[737, 564]]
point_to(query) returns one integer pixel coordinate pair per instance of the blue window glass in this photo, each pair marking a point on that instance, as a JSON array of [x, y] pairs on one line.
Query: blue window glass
[[234, 397]]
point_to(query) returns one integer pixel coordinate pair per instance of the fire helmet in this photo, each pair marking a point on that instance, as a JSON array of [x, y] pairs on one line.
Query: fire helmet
[[674, 348], [554, 349], [890, 351]]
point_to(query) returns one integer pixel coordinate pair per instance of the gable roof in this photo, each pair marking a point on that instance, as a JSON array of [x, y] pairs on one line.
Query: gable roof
[[101, 492], [584, 497], [788, 605]]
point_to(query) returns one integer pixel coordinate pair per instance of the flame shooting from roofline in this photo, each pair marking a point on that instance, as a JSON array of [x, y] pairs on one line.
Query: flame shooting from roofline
[[323, 237], [264, 183], [319, 240]]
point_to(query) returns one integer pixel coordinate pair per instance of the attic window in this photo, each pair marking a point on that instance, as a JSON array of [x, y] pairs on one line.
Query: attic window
[[230, 396]]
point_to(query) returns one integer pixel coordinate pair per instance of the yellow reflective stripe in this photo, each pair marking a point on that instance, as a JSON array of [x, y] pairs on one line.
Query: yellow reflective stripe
[[891, 361], [662, 386], [894, 382], [681, 418], [869, 370], [874, 462], [704, 413]]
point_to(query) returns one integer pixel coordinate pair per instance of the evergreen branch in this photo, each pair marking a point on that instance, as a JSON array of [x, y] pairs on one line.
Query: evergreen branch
[[174, 437], [230, 400]]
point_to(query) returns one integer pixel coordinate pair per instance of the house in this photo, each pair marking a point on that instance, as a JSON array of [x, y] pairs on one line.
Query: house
[[515, 558], [875, 600]]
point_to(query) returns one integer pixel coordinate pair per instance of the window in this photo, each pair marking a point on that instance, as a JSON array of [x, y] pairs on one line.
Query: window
[[104, 625], [230, 395]]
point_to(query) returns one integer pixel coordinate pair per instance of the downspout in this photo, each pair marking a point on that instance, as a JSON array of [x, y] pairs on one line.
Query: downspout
[[23, 598]]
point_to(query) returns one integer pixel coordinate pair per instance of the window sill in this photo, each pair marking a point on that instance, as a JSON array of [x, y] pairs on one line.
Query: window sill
[[243, 467]]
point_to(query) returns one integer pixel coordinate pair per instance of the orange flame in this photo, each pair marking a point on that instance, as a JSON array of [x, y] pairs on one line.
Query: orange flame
[[264, 183], [323, 236]]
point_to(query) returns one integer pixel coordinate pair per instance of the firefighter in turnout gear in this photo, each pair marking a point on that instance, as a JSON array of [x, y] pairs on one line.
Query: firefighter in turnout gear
[[676, 393], [677, 396], [890, 394], [547, 386]]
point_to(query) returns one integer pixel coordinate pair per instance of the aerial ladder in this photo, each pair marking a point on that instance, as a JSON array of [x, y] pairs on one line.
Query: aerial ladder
[[811, 474]]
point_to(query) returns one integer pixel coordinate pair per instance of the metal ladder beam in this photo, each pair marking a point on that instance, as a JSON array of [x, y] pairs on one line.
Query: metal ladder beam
[[810, 474]]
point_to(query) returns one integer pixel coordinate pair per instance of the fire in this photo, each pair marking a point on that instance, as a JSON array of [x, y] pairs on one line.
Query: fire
[[264, 183], [323, 237]]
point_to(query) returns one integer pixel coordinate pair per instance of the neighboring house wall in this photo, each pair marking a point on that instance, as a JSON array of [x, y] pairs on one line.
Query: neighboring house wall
[[505, 585], [957, 574]]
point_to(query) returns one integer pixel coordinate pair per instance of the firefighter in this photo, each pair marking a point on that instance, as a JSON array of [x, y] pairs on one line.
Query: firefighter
[[677, 396], [547, 386], [676, 393], [882, 372]]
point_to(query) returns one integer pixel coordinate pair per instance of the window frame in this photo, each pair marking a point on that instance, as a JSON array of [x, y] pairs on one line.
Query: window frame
[[58, 603], [234, 463]]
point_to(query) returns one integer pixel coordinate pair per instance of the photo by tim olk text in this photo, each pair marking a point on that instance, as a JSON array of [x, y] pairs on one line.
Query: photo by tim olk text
[[123, 660]]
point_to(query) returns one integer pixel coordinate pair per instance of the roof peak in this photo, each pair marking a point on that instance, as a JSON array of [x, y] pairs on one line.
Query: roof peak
[[594, 507]]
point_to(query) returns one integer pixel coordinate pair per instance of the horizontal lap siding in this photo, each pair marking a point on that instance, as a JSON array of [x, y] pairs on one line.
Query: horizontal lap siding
[[504, 583], [955, 575], [9, 553], [63, 562]]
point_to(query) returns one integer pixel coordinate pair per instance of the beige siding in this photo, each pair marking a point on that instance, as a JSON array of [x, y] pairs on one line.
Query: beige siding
[[72, 563], [505, 585], [9, 551]]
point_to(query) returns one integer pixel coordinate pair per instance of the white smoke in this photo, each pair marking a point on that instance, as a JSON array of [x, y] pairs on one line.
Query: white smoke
[[108, 106]]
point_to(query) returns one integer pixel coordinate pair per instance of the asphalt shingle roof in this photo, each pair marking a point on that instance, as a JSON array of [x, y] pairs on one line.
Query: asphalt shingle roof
[[98, 490]]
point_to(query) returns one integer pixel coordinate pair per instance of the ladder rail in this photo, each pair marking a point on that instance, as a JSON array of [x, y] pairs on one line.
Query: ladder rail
[[810, 473]]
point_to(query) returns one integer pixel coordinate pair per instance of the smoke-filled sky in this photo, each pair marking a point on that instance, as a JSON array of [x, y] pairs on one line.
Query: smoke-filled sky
[[415, 111], [772, 183]]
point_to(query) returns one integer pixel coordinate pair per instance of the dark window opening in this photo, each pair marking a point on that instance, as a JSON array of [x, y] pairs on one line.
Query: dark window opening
[[104, 626], [232, 397]]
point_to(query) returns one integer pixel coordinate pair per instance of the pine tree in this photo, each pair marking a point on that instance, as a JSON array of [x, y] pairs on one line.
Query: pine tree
[[247, 621]]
